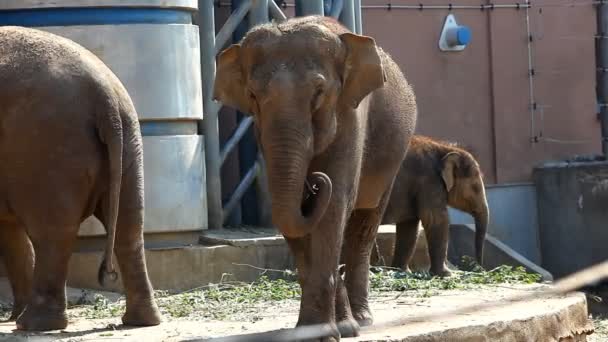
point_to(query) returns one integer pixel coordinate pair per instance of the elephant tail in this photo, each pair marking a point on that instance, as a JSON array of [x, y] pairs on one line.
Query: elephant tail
[[110, 130]]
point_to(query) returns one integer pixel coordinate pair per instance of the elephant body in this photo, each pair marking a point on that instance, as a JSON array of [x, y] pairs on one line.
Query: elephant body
[[435, 175], [71, 147], [333, 114]]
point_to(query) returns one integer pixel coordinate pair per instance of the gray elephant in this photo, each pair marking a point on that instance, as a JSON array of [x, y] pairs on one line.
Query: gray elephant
[[333, 115], [435, 175], [71, 147]]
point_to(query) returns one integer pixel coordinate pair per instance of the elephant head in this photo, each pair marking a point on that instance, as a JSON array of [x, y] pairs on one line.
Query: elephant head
[[297, 81], [466, 191]]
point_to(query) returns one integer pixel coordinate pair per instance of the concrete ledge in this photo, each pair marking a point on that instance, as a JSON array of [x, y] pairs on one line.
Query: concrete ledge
[[243, 255], [496, 253], [557, 318]]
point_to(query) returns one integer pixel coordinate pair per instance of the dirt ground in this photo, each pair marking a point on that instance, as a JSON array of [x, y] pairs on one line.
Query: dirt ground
[[557, 315]]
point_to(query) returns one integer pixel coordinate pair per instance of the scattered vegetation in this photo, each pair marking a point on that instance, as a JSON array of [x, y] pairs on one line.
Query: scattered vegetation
[[5, 312], [238, 300]]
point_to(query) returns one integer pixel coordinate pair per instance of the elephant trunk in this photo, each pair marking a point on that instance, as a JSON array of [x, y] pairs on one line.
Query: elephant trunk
[[481, 226], [299, 200]]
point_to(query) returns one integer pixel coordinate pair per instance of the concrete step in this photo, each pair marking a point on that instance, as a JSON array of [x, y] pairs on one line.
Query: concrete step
[[246, 253], [552, 319]]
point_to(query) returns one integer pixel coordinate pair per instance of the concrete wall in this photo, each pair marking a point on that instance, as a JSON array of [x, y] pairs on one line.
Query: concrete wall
[[513, 218], [481, 96], [572, 211]]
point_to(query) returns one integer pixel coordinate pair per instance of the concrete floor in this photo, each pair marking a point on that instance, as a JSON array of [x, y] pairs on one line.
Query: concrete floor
[[558, 318]]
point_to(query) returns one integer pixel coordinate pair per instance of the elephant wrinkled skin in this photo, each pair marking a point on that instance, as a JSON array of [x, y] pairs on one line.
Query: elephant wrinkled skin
[[71, 147], [435, 175], [333, 115]]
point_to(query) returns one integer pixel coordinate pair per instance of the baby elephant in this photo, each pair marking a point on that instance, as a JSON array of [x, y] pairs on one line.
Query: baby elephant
[[70, 147], [435, 175]]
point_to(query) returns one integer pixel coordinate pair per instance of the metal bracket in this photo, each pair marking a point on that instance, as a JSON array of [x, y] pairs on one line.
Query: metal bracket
[[453, 36]]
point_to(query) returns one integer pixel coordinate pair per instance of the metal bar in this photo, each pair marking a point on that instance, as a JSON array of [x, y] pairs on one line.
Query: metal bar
[[248, 148], [309, 7], [235, 138], [602, 69], [210, 122], [258, 13], [347, 17], [336, 8], [276, 11], [230, 25], [448, 7], [358, 24], [240, 190]]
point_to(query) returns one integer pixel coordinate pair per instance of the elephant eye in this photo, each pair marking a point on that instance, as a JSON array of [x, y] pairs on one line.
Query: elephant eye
[[317, 98], [254, 102], [251, 95]]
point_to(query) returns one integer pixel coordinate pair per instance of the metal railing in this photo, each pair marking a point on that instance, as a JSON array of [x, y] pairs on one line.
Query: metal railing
[[258, 11]]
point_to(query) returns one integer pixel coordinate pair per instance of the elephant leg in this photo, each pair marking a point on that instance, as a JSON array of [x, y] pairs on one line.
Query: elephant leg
[[46, 308], [317, 257], [19, 263], [405, 244], [359, 239], [436, 225], [347, 325], [141, 308]]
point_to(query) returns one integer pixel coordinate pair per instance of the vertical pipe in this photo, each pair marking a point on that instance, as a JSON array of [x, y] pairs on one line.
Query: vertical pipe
[[358, 23], [347, 17], [309, 7], [257, 212], [602, 70], [258, 13], [210, 124]]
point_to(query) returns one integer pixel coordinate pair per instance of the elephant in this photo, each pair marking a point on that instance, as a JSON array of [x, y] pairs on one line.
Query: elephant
[[333, 115], [71, 147], [435, 175]]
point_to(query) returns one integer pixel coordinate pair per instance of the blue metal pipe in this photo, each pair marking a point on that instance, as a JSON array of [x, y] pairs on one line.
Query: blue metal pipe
[[93, 16]]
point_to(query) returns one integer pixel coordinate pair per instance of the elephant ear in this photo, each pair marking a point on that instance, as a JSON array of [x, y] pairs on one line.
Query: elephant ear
[[363, 72], [229, 81], [449, 165]]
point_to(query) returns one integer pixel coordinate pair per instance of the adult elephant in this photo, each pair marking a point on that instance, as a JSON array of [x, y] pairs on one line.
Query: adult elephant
[[333, 115], [435, 175], [70, 147]]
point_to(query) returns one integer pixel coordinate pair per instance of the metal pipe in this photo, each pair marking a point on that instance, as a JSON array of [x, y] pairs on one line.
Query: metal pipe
[[258, 13], [336, 8], [276, 12], [234, 140], [532, 104], [240, 190], [230, 25], [602, 70], [309, 7], [211, 108], [248, 148], [347, 17], [358, 24], [390, 6]]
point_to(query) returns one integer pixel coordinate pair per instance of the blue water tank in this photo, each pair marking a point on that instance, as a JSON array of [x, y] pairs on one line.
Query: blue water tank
[[153, 48]]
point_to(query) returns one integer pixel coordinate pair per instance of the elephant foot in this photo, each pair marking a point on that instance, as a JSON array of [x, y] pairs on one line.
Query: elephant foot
[[442, 273], [363, 316], [330, 330], [17, 310], [42, 319], [349, 328], [142, 316]]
